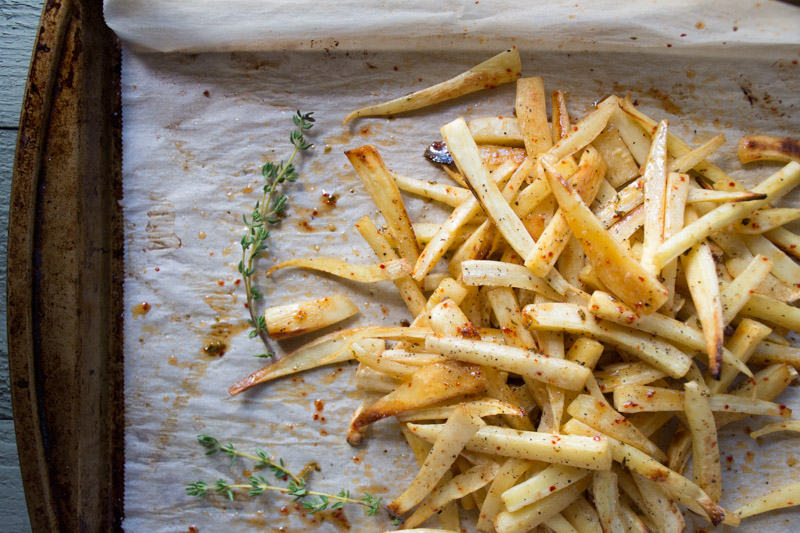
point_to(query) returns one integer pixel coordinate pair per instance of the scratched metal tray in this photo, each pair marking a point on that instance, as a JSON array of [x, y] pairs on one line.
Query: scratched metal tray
[[64, 282]]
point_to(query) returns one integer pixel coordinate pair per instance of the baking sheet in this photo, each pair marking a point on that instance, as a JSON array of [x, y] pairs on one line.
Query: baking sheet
[[197, 127]]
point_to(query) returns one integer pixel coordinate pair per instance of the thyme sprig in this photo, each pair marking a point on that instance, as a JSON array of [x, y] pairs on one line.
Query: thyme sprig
[[267, 211], [297, 487]]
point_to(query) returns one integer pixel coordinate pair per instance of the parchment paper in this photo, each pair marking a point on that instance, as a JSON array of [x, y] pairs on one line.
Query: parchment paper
[[197, 128]]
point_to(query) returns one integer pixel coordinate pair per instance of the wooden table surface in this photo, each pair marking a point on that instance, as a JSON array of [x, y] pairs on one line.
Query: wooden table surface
[[19, 20]]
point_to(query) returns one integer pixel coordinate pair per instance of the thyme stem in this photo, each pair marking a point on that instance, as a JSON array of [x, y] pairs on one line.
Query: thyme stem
[[267, 211]]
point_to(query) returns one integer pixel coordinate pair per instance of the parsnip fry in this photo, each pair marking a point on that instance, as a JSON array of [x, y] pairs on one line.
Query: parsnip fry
[[531, 108], [558, 524], [676, 146], [767, 148], [701, 276], [561, 122], [599, 415], [639, 462], [576, 319], [774, 187], [772, 311], [765, 220], [551, 479], [705, 446], [449, 442], [747, 336], [499, 274], [330, 349], [583, 516], [580, 452], [788, 496], [509, 317], [483, 407], [508, 475], [465, 155], [496, 130], [784, 268], [786, 425], [426, 386], [528, 518], [768, 353], [637, 398], [786, 240], [502, 68], [555, 236], [447, 233], [659, 506], [620, 374], [632, 133], [290, 320], [655, 194], [377, 179], [678, 186], [736, 294], [769, 286], [710, 195], [483, 240], [586, 130], [765, 385], [622, 168], [692, 158], [449, 195], [410, 292], [612, 263], [369, 380], [606, 501], [628, 224], [367, 355], [536, 366], [387, 271], [458, 487]]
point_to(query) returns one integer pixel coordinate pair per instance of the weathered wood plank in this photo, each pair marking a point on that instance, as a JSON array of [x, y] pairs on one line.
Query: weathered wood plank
[[13, 512], [8, 140], [19, 20]]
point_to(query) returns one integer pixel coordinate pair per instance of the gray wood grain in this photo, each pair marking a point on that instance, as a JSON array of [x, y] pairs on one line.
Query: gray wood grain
[[8, 139], [19, 20]]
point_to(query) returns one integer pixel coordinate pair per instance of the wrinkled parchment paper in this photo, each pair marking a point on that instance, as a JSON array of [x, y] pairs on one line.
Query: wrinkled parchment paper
[[197, 128]]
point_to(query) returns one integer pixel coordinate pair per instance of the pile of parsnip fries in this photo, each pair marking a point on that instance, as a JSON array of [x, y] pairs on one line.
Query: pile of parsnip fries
[[597, 280]]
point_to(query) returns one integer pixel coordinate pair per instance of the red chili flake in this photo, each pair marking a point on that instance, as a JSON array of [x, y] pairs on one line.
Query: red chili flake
[[552, 488], [382, 265], [220, 283], [157, 269], [237, 282], [597, 438]]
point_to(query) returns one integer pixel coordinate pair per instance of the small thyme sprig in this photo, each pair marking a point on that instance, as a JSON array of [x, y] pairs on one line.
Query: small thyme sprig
[[311, 501], [267, 211]]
